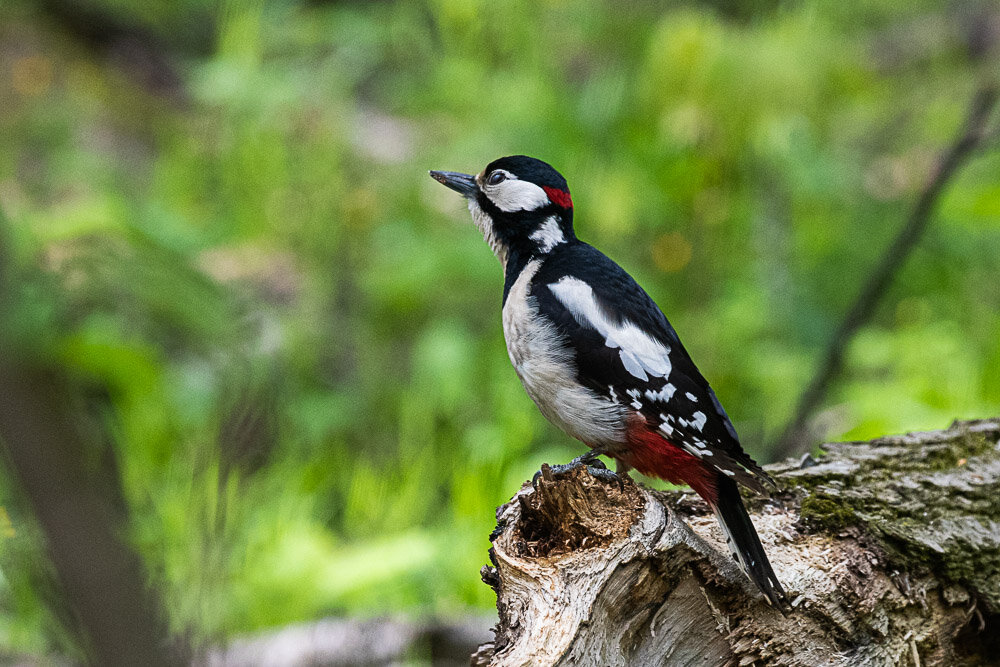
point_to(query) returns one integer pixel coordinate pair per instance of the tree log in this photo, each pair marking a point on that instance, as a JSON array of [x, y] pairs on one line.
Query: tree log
[[889, 550]]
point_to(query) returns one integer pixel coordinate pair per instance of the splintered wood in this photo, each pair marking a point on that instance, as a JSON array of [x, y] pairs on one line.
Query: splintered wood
[[889, 551]]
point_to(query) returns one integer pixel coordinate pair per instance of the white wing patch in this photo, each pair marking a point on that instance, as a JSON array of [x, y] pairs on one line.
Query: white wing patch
[[641, 355], [691, 450], [699, 420], [549, 235], [663, 395], [516, 195]]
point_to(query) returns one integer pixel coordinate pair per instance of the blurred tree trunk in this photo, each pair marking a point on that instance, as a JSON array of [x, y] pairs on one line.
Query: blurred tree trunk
[[67, 469], [889, 550], [976, 131], [55, 444]]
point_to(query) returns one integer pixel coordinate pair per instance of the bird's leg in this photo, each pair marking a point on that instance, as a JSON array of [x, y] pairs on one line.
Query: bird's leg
[[593, 465]]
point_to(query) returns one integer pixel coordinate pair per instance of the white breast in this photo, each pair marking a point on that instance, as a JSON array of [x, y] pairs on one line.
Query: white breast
[[547, 371]]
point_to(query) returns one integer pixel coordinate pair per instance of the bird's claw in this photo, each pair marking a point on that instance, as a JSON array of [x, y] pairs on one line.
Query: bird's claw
[[607, 475], [594, 466]]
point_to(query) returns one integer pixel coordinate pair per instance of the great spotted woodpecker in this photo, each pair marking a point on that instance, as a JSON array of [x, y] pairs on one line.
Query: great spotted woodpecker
[[599, 358]]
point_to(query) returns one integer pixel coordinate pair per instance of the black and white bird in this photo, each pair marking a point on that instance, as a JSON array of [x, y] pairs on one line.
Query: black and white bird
[[599, 358]]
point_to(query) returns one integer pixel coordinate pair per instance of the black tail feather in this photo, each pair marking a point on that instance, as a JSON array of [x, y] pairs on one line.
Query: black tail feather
[[744, 543]]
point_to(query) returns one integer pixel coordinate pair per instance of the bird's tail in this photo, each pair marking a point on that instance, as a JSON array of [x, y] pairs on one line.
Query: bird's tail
[[741, 537]]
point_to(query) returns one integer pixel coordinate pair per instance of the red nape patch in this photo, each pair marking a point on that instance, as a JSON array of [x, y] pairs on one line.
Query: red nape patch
[[654, 455], [559, 197]]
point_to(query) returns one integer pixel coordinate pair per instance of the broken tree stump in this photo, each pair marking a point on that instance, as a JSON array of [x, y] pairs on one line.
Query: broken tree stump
[[889, 550]]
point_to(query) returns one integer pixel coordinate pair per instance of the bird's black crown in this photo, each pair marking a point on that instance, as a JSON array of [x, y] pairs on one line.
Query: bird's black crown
[[530, 169]]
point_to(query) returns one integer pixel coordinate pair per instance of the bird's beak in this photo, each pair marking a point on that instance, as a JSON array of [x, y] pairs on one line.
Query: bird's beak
[[463, 184]]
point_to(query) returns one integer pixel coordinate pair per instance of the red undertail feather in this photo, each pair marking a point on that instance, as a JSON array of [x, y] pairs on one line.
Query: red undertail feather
[[652, 454]]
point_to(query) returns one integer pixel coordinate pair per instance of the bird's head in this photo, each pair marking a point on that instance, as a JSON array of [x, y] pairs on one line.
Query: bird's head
[[519, 203]]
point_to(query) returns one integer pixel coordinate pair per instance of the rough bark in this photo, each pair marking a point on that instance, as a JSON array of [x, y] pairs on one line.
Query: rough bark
[[890, 551]]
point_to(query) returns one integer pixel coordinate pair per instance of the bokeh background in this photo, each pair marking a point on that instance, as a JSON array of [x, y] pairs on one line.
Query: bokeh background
[[277, 342]]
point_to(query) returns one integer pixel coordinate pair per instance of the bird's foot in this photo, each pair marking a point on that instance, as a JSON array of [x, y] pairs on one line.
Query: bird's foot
[[589, 461]]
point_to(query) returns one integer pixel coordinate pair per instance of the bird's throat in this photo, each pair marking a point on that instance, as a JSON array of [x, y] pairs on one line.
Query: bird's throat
[[485, 224]]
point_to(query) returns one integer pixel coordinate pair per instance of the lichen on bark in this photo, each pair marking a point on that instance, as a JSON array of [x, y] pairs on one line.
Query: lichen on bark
[[929, 500]]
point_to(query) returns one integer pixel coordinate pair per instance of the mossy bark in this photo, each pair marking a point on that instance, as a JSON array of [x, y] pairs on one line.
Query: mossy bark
[[889, 549]]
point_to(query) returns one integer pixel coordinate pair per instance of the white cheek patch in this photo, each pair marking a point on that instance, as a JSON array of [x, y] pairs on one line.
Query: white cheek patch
[[641, 355], [549, 235], [516, 195]]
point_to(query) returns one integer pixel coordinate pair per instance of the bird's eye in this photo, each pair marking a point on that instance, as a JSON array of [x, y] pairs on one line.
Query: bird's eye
[[496, 178]]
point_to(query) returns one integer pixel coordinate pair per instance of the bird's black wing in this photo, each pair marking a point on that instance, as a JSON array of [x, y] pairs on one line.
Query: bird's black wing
[[625, 348]]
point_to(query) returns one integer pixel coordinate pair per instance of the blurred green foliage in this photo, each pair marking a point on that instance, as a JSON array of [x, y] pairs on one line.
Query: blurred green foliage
[[313, 407]]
